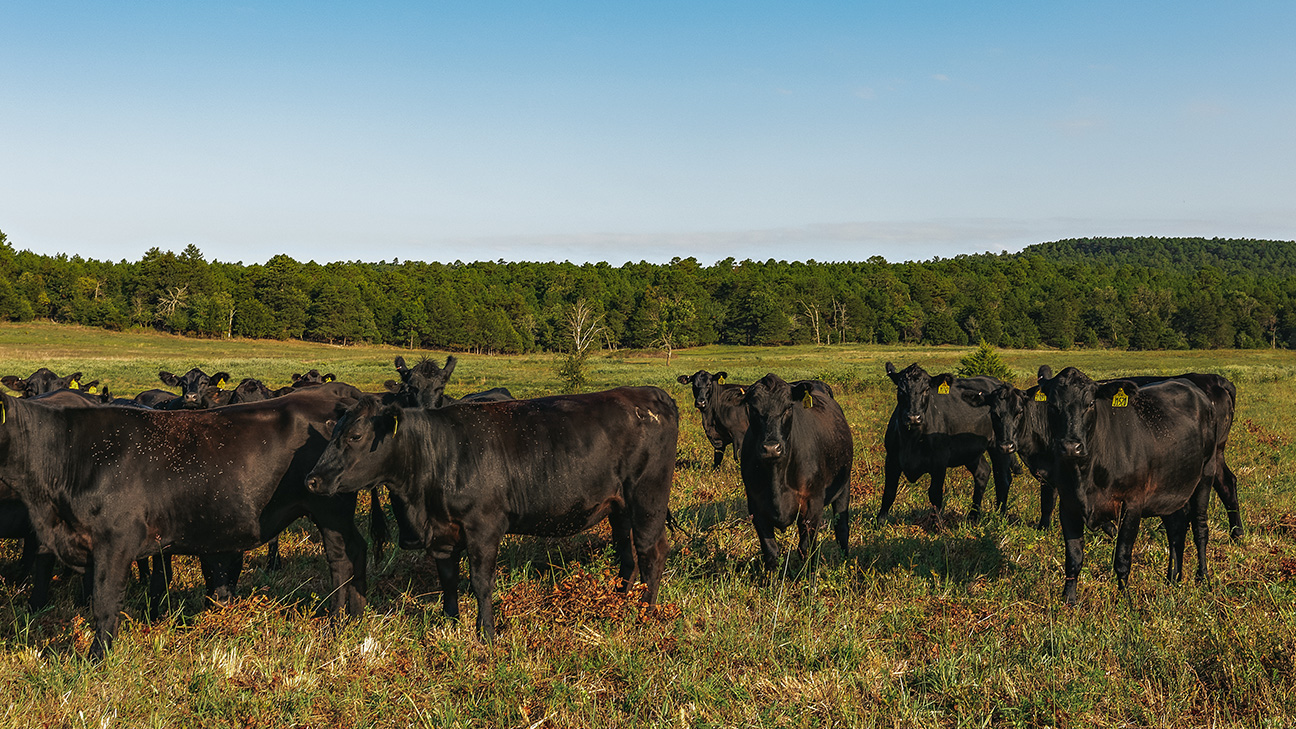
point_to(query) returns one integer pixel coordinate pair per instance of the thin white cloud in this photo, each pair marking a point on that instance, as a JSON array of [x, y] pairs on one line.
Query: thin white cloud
[[940, 77]]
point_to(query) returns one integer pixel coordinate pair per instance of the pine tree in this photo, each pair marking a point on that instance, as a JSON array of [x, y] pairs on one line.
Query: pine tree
[[985, 360]]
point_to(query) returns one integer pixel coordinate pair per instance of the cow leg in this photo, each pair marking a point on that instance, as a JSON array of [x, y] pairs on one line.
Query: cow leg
[[1073, 543], [623, 545], [719, 456], [807, 546], [159, 580], [768, 544], [1048, 497], [42, 576], [1197, 516], [1176, 527], [273, 560], [1125, 536], [936, 493], [345, 549], [448, 574], [1003, 474], [980, 471], [112, 565], [841, 517], [1225, 483], [378, 532], [483, 552], [221, 573], [31, 549], [891, 484]]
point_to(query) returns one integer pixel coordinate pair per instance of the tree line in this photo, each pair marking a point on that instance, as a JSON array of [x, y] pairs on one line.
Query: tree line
[[1139, 293]]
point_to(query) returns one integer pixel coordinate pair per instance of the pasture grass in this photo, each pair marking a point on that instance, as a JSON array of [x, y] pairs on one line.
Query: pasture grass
[[914, 626]]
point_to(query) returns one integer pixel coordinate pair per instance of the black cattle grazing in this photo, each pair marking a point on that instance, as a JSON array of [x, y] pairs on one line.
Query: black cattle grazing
[[932, 429], [44, 381], [1020, 419], [115, 484], [796, 459], [1125, 451], [463, 476], [198, 390], [724, 417]]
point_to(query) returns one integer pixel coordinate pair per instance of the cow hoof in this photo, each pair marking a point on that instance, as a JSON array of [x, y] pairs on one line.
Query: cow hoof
[[1236, 534]]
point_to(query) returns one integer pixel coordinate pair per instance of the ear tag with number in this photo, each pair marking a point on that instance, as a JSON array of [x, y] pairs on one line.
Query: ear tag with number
[[1040, 396], [943, 388], [74, 385], [808, 400], [1120, 399], [93, 389], [720, 380], [328, 379], [220, 383]]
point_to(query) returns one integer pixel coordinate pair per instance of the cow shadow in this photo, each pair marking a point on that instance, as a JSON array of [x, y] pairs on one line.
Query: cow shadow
[[945, 552]]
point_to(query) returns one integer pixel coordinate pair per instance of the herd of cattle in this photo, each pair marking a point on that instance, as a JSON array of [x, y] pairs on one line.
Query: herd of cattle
[[100, 482]]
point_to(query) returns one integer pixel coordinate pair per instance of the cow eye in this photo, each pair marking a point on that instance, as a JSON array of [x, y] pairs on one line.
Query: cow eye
[[353, 437]]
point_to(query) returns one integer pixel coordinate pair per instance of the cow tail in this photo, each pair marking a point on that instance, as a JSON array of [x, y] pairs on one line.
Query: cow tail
[[378, 533]]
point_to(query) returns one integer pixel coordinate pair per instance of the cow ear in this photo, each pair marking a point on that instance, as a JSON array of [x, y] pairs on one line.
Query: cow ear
[[451, 361], [330, 377], [400, 364], [1035, 393], [890, 369], [802, 391], [326, 429], [392, 386], [1117, 393], [13, 382], [720, 377], [91, 388], [682, 379], [169, 379], [1045, 373], [220, 379], [942, 383], [390, 418], [975, 398]]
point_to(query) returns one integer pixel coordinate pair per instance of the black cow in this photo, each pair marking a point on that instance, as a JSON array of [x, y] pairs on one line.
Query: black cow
[[422, 385], [933, 428], [796, 459], [198, 390], [1020, 419], [1125, 451], [44, 381], [306, 379], [249, 390], [724, 417], [463, 476], [115, 484]]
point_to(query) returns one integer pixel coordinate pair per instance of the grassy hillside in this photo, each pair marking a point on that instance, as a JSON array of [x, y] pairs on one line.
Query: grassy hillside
[[914, 626]]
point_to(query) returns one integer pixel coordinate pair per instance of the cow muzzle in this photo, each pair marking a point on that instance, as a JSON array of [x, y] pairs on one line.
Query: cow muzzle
[[913, 422], [1073, 449], [1007, 448], [315, 485], [772, 451]]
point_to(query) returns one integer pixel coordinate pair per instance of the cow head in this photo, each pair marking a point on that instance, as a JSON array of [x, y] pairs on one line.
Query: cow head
[[1073, 404], [422, 385], [1007, 407], [42, 381], [197, 388], [358, 444], [311, 378], [914, 392], [704, 383], [250, 390], [770, 403]]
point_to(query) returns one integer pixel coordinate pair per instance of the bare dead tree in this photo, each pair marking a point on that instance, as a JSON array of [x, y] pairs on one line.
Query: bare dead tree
[[812, 313]]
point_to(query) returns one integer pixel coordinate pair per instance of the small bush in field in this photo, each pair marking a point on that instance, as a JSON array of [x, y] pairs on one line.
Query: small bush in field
[[984, 361]]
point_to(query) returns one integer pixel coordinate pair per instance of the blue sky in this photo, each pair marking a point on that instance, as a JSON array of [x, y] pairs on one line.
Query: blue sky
[[628, 131]]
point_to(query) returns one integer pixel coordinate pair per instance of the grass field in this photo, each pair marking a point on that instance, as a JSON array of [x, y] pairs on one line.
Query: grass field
[[913, 627]]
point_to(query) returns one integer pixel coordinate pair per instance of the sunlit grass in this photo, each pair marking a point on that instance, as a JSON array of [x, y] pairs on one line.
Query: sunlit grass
[[912, 627]]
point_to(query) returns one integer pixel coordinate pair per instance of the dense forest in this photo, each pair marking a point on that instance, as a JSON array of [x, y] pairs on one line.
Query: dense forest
[[1141, 293]]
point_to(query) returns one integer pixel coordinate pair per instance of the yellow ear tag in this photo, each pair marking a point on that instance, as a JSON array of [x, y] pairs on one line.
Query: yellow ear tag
[[943, 388], [807, 401], [1120, 399], [3, 415], [328, 379], [93, 389], [74, 385], [720, 381], [395, 424], [220, 383], [1040, 396]]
